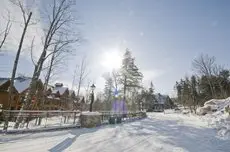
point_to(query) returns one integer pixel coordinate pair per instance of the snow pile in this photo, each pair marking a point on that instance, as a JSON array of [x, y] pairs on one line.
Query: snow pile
[[217, 116], [91, 113]]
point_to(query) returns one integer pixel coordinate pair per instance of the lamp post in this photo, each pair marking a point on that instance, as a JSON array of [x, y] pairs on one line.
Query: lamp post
[[92, 97]]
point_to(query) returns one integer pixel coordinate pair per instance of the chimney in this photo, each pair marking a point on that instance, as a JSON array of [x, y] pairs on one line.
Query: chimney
[[59, 85]]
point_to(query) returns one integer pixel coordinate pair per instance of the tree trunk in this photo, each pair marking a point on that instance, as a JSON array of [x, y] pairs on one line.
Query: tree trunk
[[212, 90], [47, 80], [36, 74], [15, 67], [26, 103]]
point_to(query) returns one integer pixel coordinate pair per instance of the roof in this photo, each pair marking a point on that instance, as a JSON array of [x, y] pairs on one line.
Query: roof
[[71, 92], [49, 87], [54, 91], [3, 80], [61, 90], [21, 84], [161, 99]]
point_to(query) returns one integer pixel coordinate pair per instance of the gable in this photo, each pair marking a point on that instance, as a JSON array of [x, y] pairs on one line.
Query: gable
[[4, 84]]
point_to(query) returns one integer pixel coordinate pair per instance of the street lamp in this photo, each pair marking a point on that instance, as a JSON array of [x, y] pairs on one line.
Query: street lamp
[[92, 87], [92, 97]]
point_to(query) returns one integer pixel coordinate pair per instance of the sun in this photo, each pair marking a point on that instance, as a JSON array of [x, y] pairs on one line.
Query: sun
[[111, 59]]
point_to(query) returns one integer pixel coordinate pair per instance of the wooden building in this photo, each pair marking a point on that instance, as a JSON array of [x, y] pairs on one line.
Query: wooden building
[[4, 95], [59, 98], [21, 86], [56, 97]]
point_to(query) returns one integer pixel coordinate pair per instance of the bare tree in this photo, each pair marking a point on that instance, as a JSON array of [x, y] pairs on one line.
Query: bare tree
[[59, 22], [5, 32], [82, 74], [115, 77], [58, 54], [206, 66], [26, 18], [58, 33]]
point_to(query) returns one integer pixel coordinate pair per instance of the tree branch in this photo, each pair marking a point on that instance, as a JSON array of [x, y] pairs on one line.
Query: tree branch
[[6, 31], [31, 51]]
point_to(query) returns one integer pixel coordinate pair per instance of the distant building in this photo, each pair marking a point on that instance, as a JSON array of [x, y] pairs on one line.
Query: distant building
[[162, 102], [58, 98]]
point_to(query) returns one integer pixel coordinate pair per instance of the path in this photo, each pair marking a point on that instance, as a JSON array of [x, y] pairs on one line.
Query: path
[[159, 132]]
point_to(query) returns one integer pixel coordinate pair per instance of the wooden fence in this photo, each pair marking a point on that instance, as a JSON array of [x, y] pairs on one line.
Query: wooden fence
[[42, 120]]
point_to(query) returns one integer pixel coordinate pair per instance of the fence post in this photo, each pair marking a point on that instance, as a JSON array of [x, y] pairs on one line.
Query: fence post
[[36, 121], [28, 120], [46, 115], [74, 118], [102, 118], [6, 117], [61, 118]]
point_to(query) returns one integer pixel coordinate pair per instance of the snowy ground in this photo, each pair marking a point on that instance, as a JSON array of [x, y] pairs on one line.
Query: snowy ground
[[159, 132], [47, 123]]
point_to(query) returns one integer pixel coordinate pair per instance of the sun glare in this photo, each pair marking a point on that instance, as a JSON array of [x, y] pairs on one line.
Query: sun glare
[[111, 59]]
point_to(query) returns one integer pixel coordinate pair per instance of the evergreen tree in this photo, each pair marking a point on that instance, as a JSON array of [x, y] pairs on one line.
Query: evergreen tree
[[130, 77], [195, 91]]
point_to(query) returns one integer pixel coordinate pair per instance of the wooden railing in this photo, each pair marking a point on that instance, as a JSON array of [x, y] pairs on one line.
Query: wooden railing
[[35, 120]]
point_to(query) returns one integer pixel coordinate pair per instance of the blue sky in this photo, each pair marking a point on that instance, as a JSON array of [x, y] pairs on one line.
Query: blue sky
[[163, 35]]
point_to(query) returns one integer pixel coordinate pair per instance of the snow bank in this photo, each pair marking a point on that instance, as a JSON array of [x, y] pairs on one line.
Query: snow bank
[[216, 115], [218, 104], [91, 113]]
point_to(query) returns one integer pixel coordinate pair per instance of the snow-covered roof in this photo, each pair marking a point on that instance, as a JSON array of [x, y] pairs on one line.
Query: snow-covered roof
[[161, 99], [49, 87], [3, 81], [21, 84], [61, 90], [71, 92], [54, 91]]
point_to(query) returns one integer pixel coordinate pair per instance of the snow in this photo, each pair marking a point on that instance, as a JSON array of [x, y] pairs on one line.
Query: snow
[[169, 132], [71, 92], [22, 85], [61, 90], [220, 120], [47, 123], [218, 104], [55, 91], [161, 99], [91, 113], [53, 97]]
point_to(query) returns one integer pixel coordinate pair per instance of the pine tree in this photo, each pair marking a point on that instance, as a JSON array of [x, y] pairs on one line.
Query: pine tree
[[130, 79], [130, 76]]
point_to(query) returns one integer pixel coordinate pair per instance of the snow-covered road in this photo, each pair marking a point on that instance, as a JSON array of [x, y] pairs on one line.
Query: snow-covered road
[[157, 133]]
